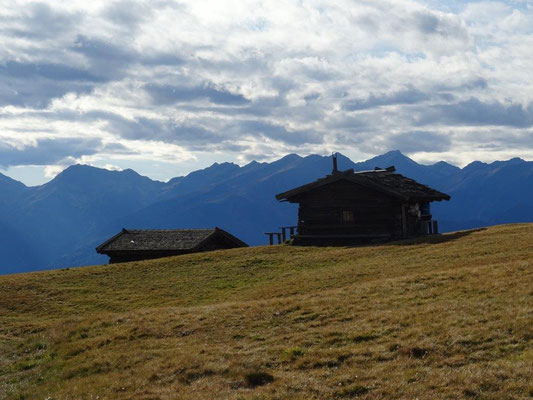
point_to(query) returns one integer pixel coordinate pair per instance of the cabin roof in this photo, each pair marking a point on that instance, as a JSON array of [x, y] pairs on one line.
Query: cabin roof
[[163, 239], [385, 181]]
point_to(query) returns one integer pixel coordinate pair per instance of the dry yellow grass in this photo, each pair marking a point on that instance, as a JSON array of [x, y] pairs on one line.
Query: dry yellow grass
[[443, 320]]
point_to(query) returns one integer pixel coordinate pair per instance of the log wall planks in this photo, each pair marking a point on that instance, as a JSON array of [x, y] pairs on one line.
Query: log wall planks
[[374, 214]]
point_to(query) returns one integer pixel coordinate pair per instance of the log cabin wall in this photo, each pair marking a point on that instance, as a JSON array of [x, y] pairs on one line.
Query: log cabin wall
[[128, 256], [347, 208]]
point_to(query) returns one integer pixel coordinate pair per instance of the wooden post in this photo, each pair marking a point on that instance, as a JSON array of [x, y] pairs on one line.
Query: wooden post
[[279, 237], [292, 231], [283, 233], [430, 230], [270, 237], [435, 227]]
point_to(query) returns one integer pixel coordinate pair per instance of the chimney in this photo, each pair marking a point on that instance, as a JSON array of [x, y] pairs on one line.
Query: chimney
[[335, 169]]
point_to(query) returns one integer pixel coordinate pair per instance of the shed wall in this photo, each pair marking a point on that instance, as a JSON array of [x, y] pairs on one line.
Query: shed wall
[[374, 213]]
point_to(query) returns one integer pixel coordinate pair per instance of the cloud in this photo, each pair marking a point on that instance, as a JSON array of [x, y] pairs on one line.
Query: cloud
[[406, 96], [53, 72], [127, 14], [194, 136], [443, 25], [279, 132], [37, 20], [476, 112], [162, 130], [419, 141], [243, 78], [163, 94], [47, 151], [36, 84]]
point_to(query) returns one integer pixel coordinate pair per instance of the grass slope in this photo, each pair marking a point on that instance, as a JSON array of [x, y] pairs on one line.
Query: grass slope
[[441, 319]]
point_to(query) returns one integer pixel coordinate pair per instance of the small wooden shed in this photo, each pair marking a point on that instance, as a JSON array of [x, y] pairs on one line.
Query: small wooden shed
[[135, 245], [353, 207]]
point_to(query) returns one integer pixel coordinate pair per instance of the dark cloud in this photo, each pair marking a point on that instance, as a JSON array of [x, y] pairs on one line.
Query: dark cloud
[[279, 132], [194, 136], [470, 84], [96, 49], [48, 151], [129, 14], [37, 92], [311, 97], [162, 130], [415, 141], [476, 112], [429, 23], [39, 22], [166, 94], [500, 138], [117, 148], [409, 95], [53, 72], [112, 60], [105, 58], [262, 107], [36, 84]]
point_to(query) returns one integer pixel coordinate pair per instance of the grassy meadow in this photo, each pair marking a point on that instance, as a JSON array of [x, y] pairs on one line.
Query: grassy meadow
[[449, 317]]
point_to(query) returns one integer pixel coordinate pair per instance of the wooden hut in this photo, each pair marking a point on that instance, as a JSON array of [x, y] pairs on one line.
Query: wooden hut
[[353, 207], [135, 245]]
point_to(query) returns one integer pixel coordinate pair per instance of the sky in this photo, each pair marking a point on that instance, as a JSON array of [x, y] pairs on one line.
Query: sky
[[167, 87]]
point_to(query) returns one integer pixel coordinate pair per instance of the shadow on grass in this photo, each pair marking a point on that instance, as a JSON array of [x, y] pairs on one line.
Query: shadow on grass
[[364, 242], [435, 239]]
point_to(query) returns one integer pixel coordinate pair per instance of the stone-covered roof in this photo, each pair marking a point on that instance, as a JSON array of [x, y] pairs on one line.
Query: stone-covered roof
[[160, 240], [385, 181]]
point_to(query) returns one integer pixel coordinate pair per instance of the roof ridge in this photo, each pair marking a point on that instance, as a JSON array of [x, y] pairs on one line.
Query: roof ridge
[[386, 181], [162, 239], [169, 230]]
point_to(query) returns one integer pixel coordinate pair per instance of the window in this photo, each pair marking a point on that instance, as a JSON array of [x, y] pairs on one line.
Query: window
[[347, 216]]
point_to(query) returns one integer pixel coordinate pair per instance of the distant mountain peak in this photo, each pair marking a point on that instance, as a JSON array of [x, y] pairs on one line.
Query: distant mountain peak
[[222, 165], [394, 153], [516, 160], [438, 163], [392, 158], [445, 166], [287, 160], [474, 165], [290, 157]]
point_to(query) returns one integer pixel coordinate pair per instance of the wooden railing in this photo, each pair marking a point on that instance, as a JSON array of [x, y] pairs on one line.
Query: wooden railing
[[281, 236], [431, 227]]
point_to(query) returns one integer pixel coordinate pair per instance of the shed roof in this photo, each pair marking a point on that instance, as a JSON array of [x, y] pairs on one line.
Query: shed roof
[[163, 239], [385, 181]]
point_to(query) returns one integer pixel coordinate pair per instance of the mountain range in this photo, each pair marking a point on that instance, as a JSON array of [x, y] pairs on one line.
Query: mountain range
[[59, 223]]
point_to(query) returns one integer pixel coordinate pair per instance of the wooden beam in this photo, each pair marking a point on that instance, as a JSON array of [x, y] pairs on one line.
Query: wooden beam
[[283, 233], [270, 237], [435, 227]]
